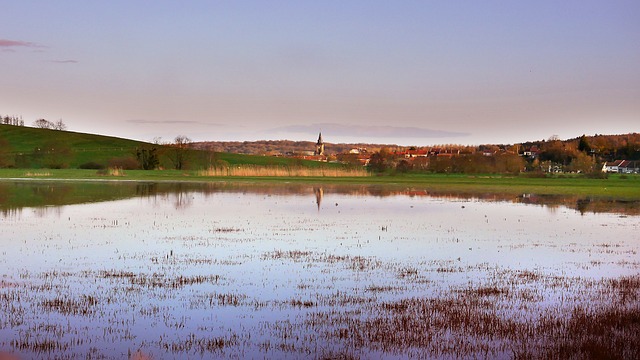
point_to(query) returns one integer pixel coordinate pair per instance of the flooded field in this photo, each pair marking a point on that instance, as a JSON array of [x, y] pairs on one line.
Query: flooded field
[[174, 271]]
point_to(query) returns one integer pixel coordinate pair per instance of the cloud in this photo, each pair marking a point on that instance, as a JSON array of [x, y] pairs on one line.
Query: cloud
[[5, 43], [371, 131], [169, 122], [65, 61]]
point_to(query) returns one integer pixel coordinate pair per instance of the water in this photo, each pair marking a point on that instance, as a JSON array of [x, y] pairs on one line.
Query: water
[[105, 270]]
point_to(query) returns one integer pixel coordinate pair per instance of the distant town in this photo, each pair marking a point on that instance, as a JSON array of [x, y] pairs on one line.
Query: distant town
[[584, 154]]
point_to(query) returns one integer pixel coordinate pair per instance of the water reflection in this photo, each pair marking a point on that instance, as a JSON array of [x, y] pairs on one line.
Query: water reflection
[[319, 191], [290, 271], [46, 196]]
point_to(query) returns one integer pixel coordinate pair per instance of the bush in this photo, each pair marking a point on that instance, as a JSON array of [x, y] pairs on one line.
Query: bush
[[596, 175], [124, 163], [92, 165]]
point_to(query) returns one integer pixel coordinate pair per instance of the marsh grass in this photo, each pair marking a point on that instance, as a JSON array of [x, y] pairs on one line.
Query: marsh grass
[[157, 280], [200, 345], [491, 321], [112, 171], [281, 171], [511, 313], [84, 306]]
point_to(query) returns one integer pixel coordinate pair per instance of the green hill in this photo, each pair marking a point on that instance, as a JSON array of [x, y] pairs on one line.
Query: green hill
[[32, 147], [26, 147], [25, 139]]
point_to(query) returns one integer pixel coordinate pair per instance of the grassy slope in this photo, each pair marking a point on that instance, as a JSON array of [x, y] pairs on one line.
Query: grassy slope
[[100, 149], [86, 147]]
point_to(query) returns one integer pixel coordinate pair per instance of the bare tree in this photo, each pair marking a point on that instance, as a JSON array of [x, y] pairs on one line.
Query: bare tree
[[179, 153], [182, 141], [59, 125], [43, 124]]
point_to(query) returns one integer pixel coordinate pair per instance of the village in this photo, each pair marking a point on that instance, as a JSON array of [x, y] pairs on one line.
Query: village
[[553, 156]]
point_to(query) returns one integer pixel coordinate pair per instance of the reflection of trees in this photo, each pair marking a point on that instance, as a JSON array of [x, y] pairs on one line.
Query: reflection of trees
[[182, 200], [11, 213], [16, 195], [52, 194], [180, 196], [146, 189], [45, 211]]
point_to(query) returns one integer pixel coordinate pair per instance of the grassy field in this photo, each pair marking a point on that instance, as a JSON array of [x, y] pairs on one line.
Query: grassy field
[[615, 187]]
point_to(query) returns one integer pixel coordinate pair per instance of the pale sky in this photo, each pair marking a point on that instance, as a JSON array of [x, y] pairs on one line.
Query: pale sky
[[405, 72]]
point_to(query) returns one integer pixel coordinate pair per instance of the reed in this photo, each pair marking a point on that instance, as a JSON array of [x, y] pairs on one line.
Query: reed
[[280, 171], [114, 171]]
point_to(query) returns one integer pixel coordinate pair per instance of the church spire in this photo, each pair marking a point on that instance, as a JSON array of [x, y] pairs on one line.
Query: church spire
[[320, 145]]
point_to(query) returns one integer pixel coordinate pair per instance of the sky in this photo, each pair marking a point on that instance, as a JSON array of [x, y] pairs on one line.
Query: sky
[[392, 72]]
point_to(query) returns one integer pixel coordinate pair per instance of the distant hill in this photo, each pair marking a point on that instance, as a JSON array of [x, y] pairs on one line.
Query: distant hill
[[282, 147], [608, 147]]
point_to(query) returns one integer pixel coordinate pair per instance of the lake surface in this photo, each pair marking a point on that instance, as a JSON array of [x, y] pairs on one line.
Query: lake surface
[[224, 270]]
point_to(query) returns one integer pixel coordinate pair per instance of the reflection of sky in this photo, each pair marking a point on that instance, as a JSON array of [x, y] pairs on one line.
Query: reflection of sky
[[415, 227], [235, 235]]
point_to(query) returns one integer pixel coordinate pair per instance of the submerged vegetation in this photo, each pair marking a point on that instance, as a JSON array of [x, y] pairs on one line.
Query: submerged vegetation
[[257, 270], [505, 313]]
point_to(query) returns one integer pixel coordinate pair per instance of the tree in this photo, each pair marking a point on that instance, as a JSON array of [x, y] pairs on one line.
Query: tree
[[555, 151], [441, 164], [43, 124], [582, 163], [179, 152], [377, 163], [583, 145], [59, 125], [404, 166], [148, 158], [381, 160]]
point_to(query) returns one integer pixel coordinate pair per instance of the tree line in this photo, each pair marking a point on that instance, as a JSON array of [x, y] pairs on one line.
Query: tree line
[[15, 120], [584, 154]]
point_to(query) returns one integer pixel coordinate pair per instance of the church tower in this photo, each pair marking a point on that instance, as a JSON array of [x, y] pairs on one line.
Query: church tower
[[320, 146]]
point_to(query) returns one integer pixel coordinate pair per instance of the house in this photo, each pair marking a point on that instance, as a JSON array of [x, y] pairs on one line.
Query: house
[[532, 153], [611, 166], [622, 167], [411, 153], [416, 153], [629, 167]]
